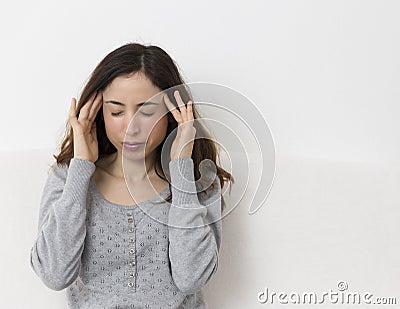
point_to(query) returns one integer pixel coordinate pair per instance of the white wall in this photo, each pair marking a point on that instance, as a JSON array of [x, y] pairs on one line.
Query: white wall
[[325, 75]]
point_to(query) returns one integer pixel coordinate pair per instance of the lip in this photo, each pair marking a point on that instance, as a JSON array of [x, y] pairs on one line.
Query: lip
[[133, 147], [132, 144]]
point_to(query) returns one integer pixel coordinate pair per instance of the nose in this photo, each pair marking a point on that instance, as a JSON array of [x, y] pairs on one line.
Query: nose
[[132, 125]]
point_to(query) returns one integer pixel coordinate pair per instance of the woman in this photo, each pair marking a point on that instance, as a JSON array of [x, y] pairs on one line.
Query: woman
[[113, 229]]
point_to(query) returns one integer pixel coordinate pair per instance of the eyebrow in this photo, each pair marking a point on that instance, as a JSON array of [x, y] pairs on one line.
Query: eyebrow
[[139, 104]]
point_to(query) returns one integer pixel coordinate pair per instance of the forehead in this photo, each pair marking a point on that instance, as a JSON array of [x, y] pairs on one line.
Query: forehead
[[133, 89]]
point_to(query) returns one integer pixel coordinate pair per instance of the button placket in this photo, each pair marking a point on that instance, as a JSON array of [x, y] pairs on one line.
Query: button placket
[[132, 263]]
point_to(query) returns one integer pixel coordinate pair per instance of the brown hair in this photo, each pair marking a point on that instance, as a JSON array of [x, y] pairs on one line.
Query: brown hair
[[162, 71]]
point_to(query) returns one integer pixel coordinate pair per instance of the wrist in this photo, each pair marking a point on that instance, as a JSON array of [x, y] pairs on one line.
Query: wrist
[[82, 158]]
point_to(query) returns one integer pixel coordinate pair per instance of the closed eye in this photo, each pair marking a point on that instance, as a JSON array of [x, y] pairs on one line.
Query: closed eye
[[119, 113], [147, 114]]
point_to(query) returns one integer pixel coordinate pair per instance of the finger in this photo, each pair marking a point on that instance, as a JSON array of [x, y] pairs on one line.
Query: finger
[[190, 111], [96, 106], [72, 112], [173, 109], [182, 106], [93, 131], [85, 110]]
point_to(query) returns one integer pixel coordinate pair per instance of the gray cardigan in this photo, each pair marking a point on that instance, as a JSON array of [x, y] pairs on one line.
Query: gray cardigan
[[151, 255]]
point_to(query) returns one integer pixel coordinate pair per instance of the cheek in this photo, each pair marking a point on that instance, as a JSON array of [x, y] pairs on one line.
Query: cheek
[[113, 127], [158, 130]]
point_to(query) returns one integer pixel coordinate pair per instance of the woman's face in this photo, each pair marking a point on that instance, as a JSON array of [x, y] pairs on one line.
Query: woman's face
[[124, 114]]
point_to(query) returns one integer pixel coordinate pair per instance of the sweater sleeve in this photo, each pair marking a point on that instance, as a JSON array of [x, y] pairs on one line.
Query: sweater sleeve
[[55, 255], [194, 243]]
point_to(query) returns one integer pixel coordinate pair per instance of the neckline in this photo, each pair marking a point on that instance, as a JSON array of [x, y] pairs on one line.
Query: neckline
[[106, 202]]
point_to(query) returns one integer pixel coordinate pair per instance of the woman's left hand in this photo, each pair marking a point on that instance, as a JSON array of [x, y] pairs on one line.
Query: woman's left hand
[[182, 146]]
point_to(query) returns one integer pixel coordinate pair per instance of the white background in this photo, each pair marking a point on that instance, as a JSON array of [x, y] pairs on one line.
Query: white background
[[325, 75]]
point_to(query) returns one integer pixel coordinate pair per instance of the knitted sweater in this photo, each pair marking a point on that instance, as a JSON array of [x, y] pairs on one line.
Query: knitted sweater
[[148, 255]]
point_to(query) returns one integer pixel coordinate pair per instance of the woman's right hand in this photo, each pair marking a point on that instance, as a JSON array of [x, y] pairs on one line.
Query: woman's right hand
[[84, 129]]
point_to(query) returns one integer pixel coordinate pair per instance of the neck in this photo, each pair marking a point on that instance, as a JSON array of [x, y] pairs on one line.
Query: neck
[[137, 170]]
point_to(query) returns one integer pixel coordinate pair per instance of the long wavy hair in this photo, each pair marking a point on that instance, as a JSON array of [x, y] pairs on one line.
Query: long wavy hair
[[162, 71]]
